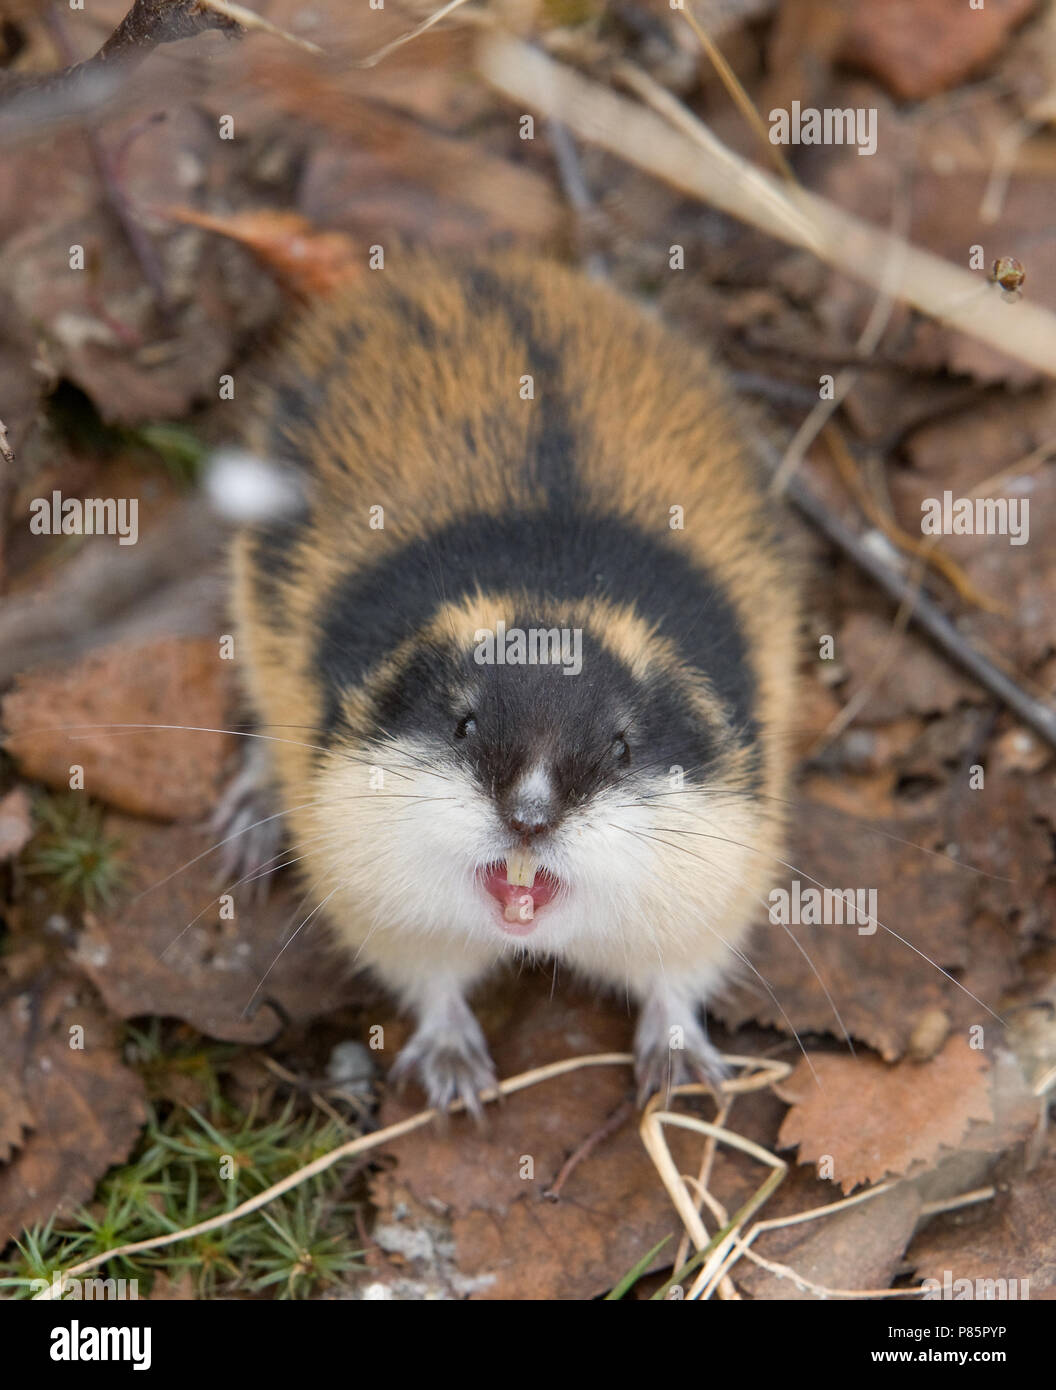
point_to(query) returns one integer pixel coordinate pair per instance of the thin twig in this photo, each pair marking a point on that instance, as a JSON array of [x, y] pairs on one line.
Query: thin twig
[[924, 553], [801, 1281], [320, 1165], [1036, 714], [761, 1073], [578, 195], [741, 1247], [741, 99], [148, 24], [249, 19], [611, 1125], [966, 1199], [372, 59], [27, 99], [679, 149]]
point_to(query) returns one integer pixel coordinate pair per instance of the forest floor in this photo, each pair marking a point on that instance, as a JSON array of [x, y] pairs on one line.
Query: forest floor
[[148, 1038]]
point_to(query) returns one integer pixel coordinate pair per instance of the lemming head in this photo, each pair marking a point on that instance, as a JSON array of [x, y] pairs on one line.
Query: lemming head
[[526, 757]]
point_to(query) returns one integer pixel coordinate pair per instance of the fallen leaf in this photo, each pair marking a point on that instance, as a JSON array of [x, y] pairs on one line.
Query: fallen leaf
[[860, 1247], [872, 1120], [901, 673], [977, 454], [877, 983], [143, 345], [920, 47], [510, 1239], [1011, 1237], [165, 949], [863, 1246], [169, 773], [84, 1107], [15, 1113], [309, 262], [963, 884]]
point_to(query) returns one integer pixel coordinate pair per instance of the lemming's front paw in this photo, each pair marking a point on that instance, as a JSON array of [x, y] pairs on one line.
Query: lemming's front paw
[[450, 1064], [666, 1055], [249, 823]]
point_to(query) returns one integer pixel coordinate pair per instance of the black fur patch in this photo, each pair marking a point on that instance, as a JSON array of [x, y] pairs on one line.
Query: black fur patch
[[422, 326], [300, 399], [558, 555], [549, 467], [274, 562], [293, 411], [599, 728]]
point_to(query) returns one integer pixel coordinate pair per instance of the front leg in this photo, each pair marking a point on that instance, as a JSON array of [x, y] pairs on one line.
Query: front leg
[[671, 1047], [447, 1051], [249, 820]]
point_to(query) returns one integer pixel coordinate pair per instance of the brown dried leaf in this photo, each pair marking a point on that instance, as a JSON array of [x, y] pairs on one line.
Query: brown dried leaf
[[309, 262], [101, 325], [920, 47], [858, 1248], [878, 984], [873, 1120], [83, 1108], [165, 950], [166, 773], [612, 1209], [15, 1113], [862, 1247], [902, 674], [1011, 1237], [963, 882], [425, 177], [962, 456]]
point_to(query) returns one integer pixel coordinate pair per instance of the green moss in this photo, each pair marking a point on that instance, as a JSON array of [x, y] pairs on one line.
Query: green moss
[[72, 852], [193, 1163]]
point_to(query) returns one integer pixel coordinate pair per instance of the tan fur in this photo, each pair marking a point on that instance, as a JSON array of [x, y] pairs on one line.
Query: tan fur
[[664, 431], [391, 417]]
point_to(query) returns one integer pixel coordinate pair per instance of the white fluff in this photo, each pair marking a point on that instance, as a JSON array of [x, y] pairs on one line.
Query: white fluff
[[245, 488]]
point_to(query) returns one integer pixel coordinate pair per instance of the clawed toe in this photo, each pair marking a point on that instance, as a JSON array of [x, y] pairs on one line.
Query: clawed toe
[[660, 1066], [250, 830], [449, 1069]]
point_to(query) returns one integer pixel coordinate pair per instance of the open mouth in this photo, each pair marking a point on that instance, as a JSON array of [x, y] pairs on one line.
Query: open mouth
[[520, 888]]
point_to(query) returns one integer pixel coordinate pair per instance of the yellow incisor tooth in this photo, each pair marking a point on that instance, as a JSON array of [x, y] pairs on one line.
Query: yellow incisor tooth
[[520, 868]]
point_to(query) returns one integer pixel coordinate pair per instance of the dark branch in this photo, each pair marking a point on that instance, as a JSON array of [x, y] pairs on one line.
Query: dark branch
[[148, 24], [1039, 716]]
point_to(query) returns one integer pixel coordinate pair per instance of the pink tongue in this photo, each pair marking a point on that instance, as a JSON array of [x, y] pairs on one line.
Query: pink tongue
[[518, 903]]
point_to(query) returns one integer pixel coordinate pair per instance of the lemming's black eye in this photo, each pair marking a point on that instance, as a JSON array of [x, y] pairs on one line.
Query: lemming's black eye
[[465, 726], [621, 750]]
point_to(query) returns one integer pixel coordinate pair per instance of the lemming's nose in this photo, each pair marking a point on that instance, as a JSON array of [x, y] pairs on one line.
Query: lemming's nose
[[527, 829], [530, 806]]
